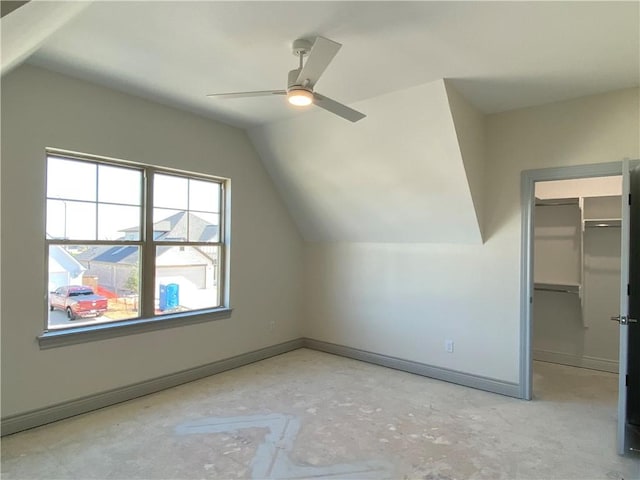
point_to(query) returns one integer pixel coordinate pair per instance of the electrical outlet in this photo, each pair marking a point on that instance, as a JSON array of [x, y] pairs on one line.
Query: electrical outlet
[[448, 346], [272, 325]]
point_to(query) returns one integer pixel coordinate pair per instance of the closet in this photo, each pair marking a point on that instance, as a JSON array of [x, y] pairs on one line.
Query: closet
[[577, 272]]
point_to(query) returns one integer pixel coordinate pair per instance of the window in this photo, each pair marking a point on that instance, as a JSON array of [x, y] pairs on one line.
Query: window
[[129, 243]]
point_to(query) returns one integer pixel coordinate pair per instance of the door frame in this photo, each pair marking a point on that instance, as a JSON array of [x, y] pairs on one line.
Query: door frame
[[527, 190]]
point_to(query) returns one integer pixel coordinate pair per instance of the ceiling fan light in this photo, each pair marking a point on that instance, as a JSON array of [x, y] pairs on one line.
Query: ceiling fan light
[[300, 97]]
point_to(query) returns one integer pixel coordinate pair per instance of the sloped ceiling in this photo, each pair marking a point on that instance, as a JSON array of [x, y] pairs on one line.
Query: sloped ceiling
[[29, 24], [501, 55], [396, 176], [412, 171]]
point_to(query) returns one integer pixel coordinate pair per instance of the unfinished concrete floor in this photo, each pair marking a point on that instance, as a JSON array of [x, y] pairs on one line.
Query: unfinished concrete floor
[[309, 414]]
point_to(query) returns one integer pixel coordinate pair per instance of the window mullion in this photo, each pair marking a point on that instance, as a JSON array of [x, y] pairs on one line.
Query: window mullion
[[148, 250], [97, 202], [188, 237], [222, 251]]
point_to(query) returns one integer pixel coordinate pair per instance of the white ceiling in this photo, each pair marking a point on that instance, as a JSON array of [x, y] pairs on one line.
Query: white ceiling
[[500, 55]]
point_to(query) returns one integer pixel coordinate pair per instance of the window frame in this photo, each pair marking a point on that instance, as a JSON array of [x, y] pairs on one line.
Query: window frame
[[147, 320]]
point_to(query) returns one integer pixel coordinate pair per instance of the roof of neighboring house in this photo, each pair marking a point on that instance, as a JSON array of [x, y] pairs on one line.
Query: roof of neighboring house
[[209, 232], [117, 254], [183, 226], [58, 256], [173, 228], [125, 255]]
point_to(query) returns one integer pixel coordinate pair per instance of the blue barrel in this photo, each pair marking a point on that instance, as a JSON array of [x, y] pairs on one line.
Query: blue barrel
[[169, 296]]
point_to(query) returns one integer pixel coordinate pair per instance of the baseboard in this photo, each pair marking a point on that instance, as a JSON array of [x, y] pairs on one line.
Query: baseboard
[[593, 363], [42, 416], [439, 373], [36, 418]]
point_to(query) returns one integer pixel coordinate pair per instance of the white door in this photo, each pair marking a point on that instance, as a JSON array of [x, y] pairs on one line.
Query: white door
[[629, 378]]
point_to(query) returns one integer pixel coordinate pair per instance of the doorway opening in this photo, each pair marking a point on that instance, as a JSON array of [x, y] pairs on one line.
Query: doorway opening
[[586, 267], [576, 271], [530, 179]]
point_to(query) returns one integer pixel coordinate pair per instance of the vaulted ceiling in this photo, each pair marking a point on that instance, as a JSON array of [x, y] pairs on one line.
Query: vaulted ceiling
[[400, 176], [419, 150]]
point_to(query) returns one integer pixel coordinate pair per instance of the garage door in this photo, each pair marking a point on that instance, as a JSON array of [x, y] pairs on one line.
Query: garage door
[[195, 274]]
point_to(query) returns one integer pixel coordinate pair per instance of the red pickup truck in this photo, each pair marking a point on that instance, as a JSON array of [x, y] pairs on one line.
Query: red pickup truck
[[77, 301]]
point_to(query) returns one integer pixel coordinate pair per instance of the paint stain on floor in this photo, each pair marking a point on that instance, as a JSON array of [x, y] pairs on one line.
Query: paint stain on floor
[[272, 460]]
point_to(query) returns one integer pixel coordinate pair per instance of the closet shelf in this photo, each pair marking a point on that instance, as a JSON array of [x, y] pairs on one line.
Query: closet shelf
[[557, 287]]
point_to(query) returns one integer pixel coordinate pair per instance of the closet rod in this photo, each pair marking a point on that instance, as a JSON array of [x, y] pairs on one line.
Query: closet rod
[[602, 224], [556, 202]]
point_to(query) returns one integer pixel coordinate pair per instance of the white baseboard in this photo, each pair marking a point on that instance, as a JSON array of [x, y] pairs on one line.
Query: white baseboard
[[593, 363]]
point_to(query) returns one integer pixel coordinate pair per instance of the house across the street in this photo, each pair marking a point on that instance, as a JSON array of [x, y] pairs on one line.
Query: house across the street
[[193, 268]]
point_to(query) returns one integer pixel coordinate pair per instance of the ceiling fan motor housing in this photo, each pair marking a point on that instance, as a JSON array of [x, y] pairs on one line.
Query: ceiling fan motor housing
[[301, 47]]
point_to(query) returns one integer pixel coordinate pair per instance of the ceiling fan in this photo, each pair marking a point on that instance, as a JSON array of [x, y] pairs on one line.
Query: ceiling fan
[[301, 81]]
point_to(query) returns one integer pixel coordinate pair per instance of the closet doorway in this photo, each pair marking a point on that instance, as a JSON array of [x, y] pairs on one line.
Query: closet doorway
[[576, 272], [577, 238]]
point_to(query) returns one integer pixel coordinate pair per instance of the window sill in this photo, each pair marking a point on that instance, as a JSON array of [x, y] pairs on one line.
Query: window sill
[[91, 333]]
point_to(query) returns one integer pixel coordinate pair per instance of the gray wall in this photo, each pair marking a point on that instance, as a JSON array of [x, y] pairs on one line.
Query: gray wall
[[402, 300], [405, 300], [42, 109]]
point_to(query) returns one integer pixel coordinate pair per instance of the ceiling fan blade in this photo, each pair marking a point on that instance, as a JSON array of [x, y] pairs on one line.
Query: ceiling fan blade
[[320, 56], [337, 108], [259, 93]]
